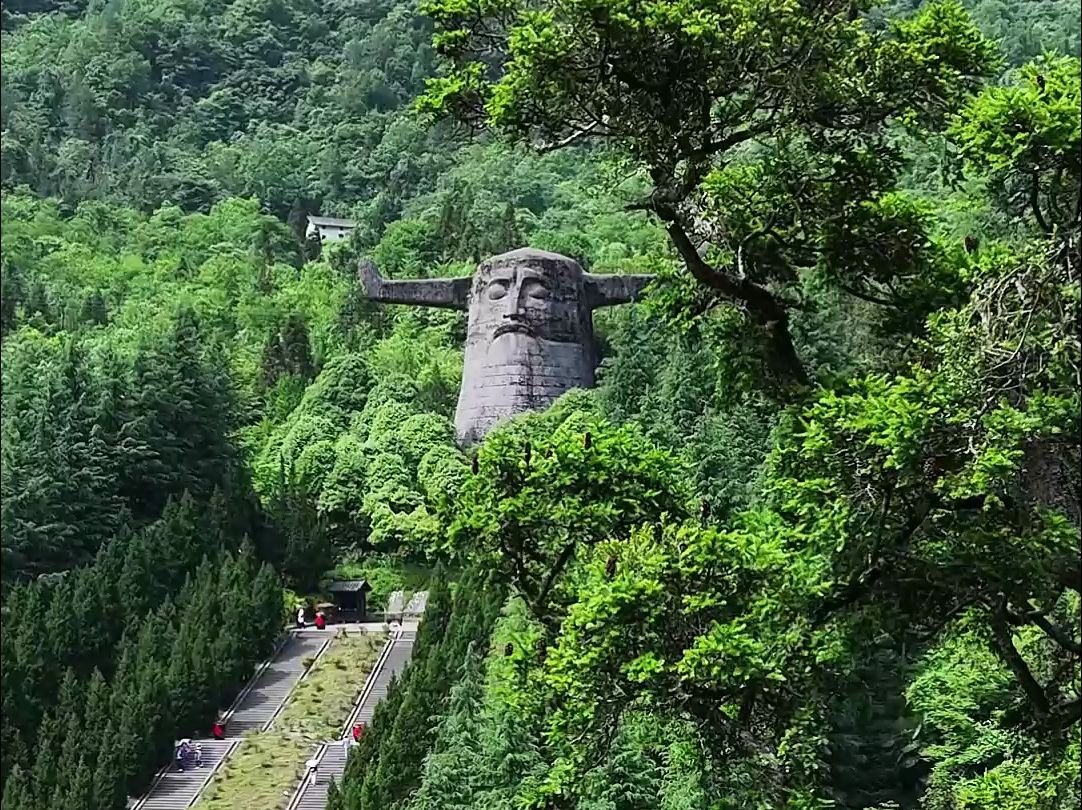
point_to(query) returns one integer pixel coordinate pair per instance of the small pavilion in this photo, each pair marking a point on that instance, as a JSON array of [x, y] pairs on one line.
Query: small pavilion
[[350, 596]]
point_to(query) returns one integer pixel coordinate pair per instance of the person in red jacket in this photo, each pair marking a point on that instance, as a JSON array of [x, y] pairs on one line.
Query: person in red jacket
[[358, 732], [217, 731], [321, 620]]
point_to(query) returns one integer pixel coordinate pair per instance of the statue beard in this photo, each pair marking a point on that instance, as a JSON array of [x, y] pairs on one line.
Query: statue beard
[[534, 367], [510, 370]]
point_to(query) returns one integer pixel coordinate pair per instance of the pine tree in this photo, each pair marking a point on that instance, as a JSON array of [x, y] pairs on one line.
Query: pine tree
[[43, 775], [507, 236], [268, 610], [185, 538], [334, 797], [150, 709], [130, 740], [185, 399], [136, 585], [511, 755], [95, 644], [307, 548], [451, 776], [70, 753], [184, 697], [80, 792], [97, 713], [232, 647], [631, 778], [18, 710], [870, 762], [108, 788], [17, 791]]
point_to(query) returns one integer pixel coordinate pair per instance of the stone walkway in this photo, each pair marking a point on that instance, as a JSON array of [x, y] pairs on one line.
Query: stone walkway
[[266, 695], [332, 756], [255, 707]]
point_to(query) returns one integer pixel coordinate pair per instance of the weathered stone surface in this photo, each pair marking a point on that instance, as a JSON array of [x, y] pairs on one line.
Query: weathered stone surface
[[530, 334]]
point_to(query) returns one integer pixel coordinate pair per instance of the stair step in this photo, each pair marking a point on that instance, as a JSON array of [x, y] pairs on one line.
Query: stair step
[[177, 790], [332, 764]]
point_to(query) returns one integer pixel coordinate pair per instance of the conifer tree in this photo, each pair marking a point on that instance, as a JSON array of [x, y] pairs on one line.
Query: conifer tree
[[333, 795], [80, 792], [109, 787], [16, 702], [97, 712], [45, 771], [71, 749], [17, 791], [267, 615], [451, 775]]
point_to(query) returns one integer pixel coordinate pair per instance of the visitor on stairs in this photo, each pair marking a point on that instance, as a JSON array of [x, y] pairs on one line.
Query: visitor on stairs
[[188, 755], [321, 620], [217, 731], [300, 617], [358, 732]]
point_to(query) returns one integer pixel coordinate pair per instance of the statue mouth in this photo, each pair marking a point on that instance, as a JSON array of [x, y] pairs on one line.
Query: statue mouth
[[512, 328]]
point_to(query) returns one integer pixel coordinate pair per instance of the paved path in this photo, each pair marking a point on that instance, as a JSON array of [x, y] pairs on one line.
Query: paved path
[[269, 690], [332, 756], [254, 709], [175, 790]]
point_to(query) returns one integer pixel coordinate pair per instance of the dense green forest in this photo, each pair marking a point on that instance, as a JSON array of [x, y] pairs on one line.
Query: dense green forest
[[812, 541]]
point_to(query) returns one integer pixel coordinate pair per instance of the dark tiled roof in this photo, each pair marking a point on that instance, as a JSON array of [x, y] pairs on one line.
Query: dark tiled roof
[[349, 586]]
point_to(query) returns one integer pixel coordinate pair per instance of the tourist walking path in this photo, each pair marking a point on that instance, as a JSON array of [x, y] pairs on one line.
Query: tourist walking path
[[254, 708], [311, 794]]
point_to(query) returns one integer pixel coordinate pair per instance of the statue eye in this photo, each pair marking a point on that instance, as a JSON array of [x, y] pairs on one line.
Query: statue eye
[[497, 290], [537, 290]]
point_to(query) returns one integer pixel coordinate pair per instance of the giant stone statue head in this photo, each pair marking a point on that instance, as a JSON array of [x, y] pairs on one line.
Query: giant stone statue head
[[530, 335]]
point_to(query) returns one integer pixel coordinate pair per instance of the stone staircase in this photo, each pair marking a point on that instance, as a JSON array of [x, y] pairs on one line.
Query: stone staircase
[[417, 604], [332, 764], [175, 790], [332, 756], [267, 693], [254, 709]]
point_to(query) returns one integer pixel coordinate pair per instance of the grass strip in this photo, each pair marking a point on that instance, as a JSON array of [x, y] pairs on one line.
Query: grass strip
[[263, 771]]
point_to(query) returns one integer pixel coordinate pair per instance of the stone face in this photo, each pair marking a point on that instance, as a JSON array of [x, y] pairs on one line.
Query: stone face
[[530, 335], [529, 339]]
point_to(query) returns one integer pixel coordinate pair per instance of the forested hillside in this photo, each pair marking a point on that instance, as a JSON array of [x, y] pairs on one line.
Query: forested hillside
[[812, 541]]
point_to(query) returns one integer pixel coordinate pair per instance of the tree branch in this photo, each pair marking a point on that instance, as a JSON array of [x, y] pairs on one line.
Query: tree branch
[[862, 583], [1067, 713], [550, 578], [1057, 634], [1004, 644], [763, 307], [871, 298], [574, 137], [1035, 204]]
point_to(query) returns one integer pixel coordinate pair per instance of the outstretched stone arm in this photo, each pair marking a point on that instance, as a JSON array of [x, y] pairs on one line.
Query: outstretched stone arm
[[606, 291], [449, 293]]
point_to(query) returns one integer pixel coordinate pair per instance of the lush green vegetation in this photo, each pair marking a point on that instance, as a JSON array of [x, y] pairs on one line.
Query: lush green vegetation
[[814, 537], [105, 667]]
